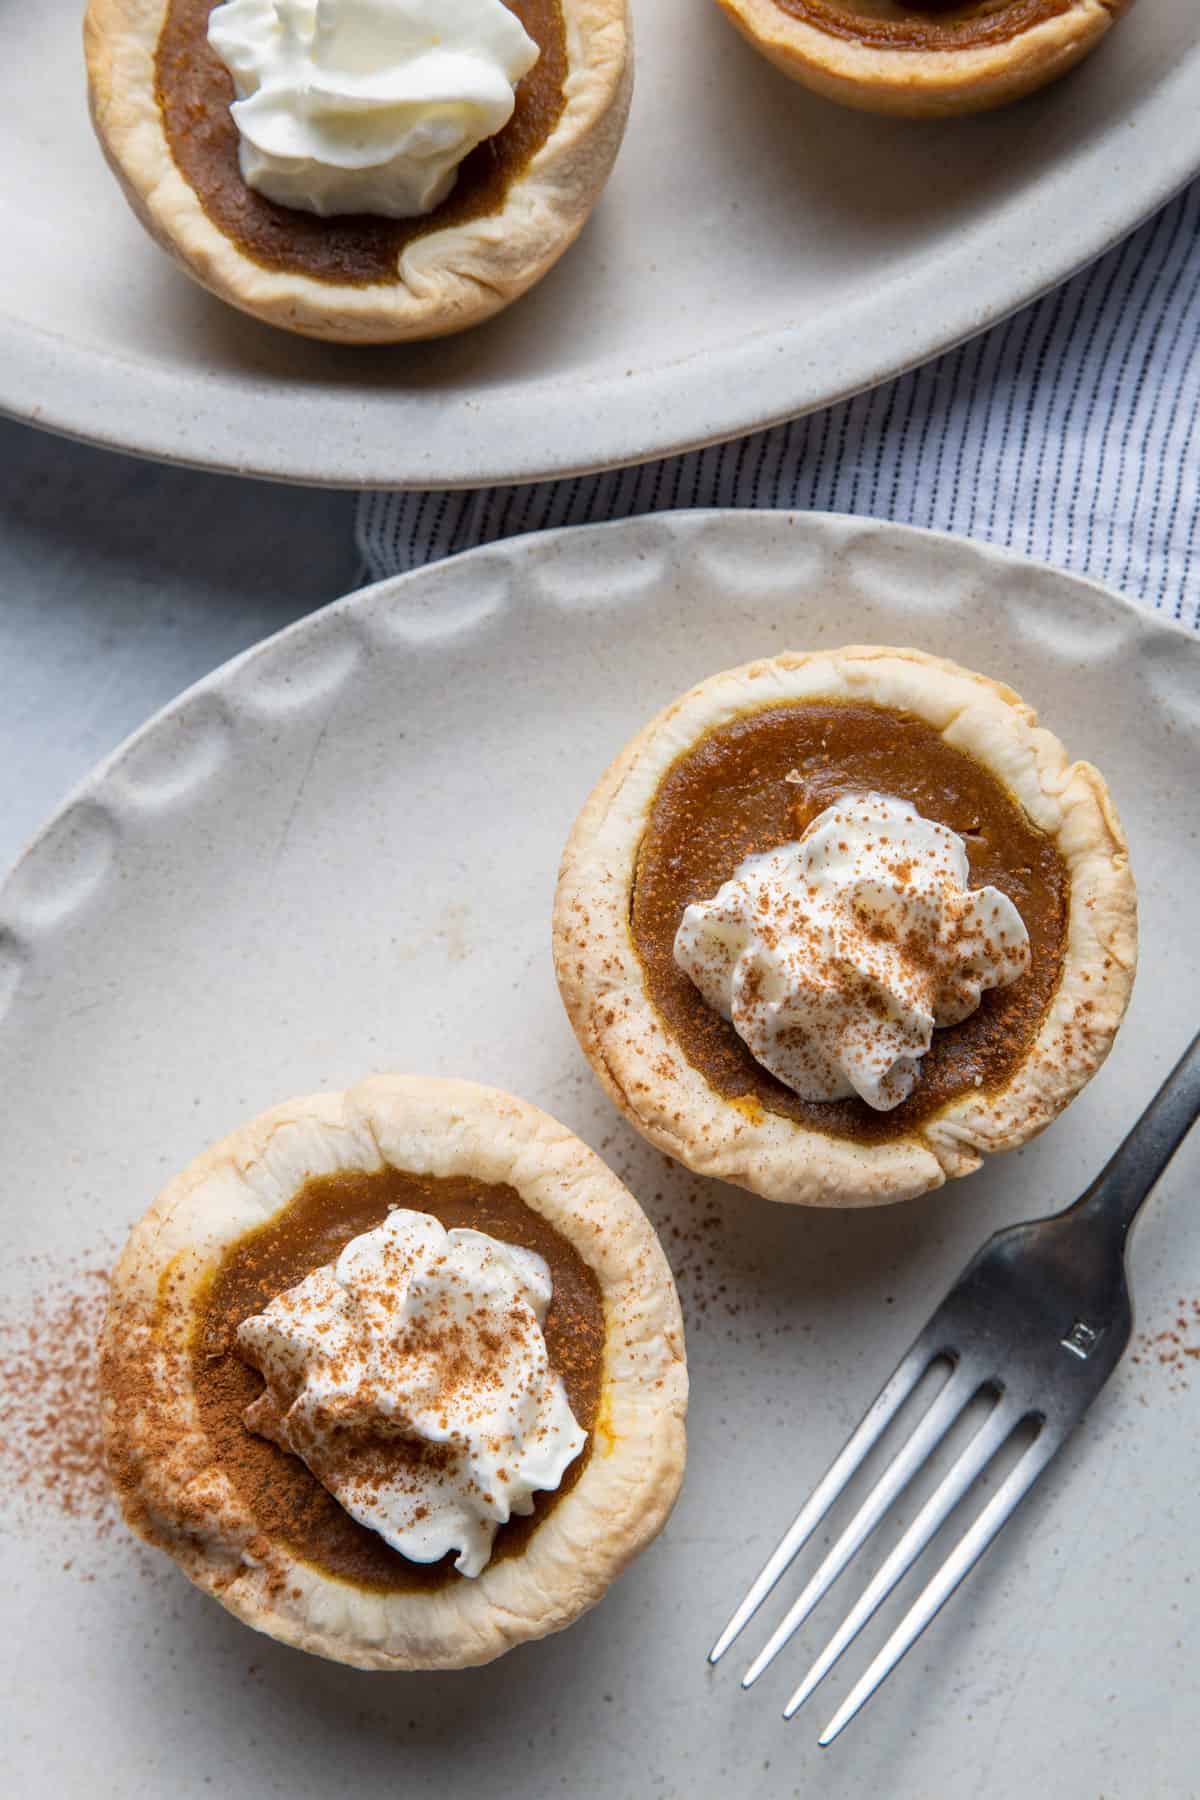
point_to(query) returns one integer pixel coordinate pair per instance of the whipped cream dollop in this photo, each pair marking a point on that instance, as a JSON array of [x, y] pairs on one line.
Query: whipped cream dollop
[[413, 1378], [348, 106], [837, 956]]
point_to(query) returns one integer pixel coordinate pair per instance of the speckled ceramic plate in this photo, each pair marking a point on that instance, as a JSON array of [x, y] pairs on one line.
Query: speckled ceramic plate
[[337, 855], [758, 252]]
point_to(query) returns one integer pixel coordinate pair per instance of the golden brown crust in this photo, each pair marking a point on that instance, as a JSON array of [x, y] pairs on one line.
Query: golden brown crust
[[449, 279], [176, 1497], [922, 83], [644, 1069]]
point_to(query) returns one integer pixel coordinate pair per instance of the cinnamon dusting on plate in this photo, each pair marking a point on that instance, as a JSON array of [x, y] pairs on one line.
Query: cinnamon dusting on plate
[[52, 1465]]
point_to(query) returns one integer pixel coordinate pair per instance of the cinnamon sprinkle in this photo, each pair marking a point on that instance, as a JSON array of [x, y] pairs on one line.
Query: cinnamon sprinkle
[[53, 1458], [289, 1504], [1173, 1348], [758, 782]]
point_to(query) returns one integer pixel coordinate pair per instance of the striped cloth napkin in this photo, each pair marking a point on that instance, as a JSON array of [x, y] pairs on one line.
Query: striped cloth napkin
[[1071, 433]]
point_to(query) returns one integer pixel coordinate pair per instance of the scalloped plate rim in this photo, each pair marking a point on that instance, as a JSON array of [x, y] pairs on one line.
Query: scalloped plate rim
[[539, 542]]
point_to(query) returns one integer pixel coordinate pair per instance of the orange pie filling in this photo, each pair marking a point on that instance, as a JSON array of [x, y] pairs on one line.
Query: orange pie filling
[[888, 25], [287, 1502], [195, 91], [758, 783]]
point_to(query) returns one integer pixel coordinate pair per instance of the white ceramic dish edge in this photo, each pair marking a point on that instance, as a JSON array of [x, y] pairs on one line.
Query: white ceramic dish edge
[[219, 857], [748, 384], [363, 600]]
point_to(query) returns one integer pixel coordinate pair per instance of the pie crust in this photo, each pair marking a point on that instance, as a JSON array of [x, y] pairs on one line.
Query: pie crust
[[923, 81], [178, 1498], [643, 1065], [448, 279]]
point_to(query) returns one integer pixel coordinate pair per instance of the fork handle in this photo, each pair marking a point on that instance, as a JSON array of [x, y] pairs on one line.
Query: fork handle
[[1118, 1192]]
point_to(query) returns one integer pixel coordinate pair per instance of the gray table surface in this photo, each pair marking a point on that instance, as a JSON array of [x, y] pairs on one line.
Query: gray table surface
[[121, 583]]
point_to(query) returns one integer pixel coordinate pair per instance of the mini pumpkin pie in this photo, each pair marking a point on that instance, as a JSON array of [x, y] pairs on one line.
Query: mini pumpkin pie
[[833, 926], [924, 60], [397, 1375], [368, 171]]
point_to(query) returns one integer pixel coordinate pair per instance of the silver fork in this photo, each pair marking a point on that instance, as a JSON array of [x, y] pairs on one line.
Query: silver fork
[[1038, 1320]]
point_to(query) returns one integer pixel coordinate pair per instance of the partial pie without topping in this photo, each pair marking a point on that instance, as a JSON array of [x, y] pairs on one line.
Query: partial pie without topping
[[160, 99], [281, 1197], [925, 60], [744, 763]]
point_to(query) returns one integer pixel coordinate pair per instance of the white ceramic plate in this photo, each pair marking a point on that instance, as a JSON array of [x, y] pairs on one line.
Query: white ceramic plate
[[337, 855], [759, 252]]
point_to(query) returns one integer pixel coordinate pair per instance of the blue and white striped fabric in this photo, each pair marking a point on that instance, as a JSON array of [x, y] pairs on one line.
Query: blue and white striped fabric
[[1071, 432]]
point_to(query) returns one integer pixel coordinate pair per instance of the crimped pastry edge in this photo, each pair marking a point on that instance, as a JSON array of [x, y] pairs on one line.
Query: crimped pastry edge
[[640, 1063], [923, 84], [450, 279], [175, 1496]]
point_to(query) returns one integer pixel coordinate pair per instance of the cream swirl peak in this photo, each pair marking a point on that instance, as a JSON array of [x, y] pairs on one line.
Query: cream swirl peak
[[836, 957], [412, 1377], [367, 106]]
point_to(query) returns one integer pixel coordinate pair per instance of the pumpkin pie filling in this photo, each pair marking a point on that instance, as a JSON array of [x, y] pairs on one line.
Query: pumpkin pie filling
[[195, 91], [888, 25], [758, 782], [286, 1500]]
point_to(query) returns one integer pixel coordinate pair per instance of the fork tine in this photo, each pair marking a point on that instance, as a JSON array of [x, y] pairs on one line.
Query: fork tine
[[879, 1415], [969, 1466], [895, 1478], [954, 1570]]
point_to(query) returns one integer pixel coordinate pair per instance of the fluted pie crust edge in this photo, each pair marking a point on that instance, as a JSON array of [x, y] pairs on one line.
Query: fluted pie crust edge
[[922, 84], [175, 1496], [641, 1063], [449, 279]]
